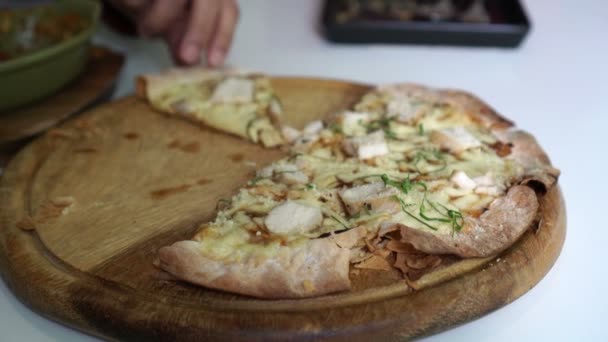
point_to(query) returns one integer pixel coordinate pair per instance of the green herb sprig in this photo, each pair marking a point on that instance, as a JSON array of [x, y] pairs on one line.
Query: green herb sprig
[[453, 217], [341, 222], [405, 185], [384, 125], [336, 128], [404, 209], [255, 180], [420, 129], [446, 215]]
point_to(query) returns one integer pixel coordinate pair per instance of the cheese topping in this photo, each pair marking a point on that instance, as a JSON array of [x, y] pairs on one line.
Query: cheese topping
[[233, 90], [353, 122], [423, 166], [313, 127], [405, 109]]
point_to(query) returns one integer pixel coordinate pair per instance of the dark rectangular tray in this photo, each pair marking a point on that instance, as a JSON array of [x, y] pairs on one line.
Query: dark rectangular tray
[[508, 26]]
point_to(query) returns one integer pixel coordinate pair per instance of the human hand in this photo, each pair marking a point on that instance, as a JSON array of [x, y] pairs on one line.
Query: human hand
[[188, 26]]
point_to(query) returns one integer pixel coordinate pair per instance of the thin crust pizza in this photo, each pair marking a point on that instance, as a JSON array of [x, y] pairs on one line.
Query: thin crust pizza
[[405, 179], [242, 104]]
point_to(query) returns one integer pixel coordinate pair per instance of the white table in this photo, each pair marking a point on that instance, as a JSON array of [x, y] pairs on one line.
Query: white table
[[555, 85]]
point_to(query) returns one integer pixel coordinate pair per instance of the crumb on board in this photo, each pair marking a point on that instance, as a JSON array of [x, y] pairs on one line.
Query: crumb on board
[[26, 223]]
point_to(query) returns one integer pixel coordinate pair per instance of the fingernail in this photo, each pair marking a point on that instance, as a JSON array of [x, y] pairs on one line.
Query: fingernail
[[191, 53], [216, 57]]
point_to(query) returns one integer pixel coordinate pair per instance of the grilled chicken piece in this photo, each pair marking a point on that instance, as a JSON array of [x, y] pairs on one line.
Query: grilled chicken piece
[[455, 139], [292, 218], [374, 196], [367, 146]]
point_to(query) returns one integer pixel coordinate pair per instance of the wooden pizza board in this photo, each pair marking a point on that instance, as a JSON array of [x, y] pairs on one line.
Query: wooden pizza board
[[106, 190]]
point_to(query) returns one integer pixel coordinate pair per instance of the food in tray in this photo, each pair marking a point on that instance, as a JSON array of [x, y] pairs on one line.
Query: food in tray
[[416, 10]]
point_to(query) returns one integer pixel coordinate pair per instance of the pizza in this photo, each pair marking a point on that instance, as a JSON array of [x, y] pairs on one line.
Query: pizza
[[410, 179], [238, 103]]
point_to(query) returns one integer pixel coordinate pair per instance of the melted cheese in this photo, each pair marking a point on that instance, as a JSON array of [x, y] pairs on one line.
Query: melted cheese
[[233, 90], [297, 199]]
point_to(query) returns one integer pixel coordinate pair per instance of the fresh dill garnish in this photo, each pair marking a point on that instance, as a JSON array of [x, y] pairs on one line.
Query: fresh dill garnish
[[405, 185], [341, 222], [404, 209], [446, 215], [255, 180], [335, 127], [383, 124], [453, 217]]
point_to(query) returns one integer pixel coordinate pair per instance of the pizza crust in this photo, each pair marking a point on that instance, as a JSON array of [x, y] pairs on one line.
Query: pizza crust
[[495, 230], [527, 152], [468, 103], [314, 268], [509, 216]]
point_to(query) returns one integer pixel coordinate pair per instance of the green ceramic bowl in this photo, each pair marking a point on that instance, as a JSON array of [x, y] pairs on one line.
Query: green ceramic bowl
[[38, 74]]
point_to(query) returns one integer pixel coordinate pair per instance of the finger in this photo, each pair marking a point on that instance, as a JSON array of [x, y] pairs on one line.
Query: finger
[[222, 38], [202, 19], [157, 18], [174, 35]]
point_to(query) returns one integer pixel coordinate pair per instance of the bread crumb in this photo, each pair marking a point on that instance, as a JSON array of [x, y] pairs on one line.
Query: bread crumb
[[27, 223]]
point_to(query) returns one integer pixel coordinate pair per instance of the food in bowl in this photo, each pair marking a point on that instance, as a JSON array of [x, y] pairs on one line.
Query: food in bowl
[[27, 30]]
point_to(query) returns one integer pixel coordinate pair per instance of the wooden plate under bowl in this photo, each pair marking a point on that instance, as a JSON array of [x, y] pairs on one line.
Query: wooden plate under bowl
[[95, 84], [106, 190]]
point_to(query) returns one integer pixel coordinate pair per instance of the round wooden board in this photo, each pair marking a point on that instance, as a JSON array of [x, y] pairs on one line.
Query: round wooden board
[[138, 180]]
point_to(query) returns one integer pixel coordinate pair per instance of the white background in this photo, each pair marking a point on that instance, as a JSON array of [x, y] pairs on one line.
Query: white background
[[555, 85]]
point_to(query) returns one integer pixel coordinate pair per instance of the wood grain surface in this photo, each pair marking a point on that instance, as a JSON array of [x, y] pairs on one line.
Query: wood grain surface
[[94, 84], [84, 209]]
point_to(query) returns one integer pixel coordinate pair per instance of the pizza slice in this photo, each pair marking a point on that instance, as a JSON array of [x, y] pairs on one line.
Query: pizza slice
[[407, 179], [242, 104]]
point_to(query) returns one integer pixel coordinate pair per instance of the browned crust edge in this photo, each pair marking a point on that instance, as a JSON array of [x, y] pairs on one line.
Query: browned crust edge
[[494, 231], [319, 267], [525, 150]]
